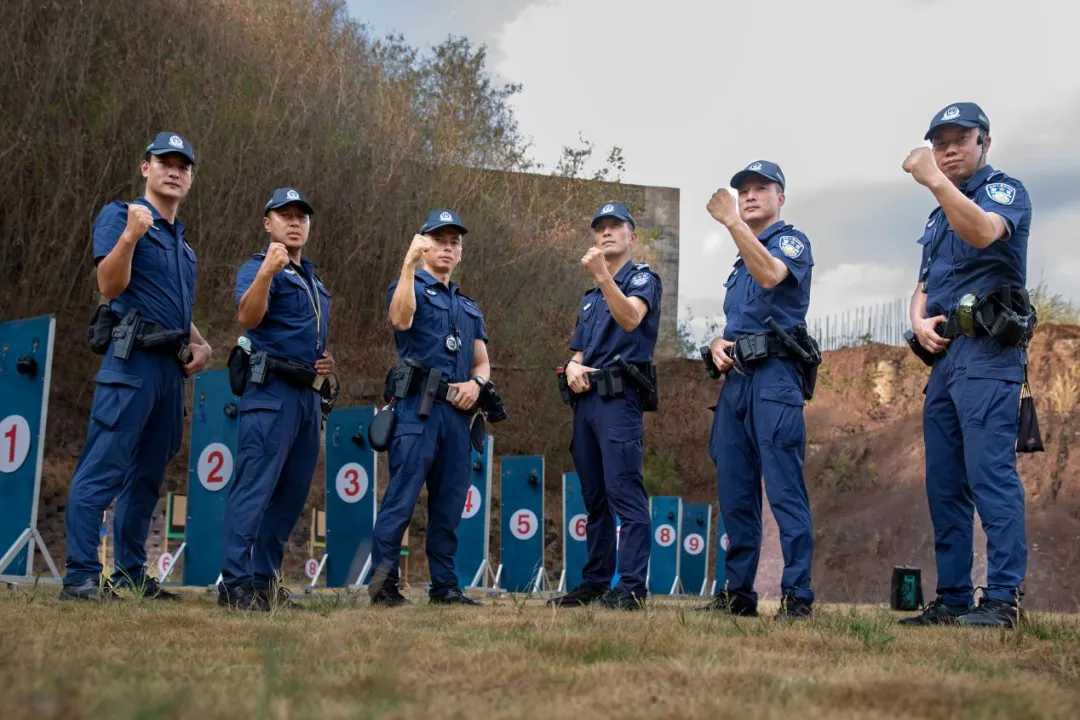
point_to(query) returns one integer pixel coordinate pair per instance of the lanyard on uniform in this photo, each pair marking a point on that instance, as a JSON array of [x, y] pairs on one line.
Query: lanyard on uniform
[[316, 306]]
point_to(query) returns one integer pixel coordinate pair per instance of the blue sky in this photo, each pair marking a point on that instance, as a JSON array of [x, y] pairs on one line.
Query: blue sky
[[837, 92]]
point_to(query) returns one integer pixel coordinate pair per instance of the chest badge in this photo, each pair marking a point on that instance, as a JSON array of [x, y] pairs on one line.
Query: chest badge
[[431, 292], [289, 271], [1001, 193], [792, 246]]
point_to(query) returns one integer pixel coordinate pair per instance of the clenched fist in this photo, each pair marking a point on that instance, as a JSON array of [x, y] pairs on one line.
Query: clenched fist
[[595, 265], [277, 257], [420, 245], [723, 208], [922, 166], [139, 220]]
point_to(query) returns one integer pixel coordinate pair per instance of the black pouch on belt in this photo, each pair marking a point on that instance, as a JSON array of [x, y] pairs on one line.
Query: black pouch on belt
[[101, 326], [239, 362], [381, 428], [1028, 437]]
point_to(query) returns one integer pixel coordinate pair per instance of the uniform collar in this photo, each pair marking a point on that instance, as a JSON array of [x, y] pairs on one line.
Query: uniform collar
[[772, 230], [624, 271], [430, 280], [978, 179]]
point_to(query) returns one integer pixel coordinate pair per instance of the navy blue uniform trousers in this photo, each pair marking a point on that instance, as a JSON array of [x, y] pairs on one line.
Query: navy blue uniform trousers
[[608, 448], [278, 446], [970, 422], [758, 430], [435, 450], [136, 425]]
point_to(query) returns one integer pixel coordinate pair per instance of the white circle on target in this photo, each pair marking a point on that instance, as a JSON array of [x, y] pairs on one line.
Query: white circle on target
[[14, 442], [215, 466], [164, 562], [472, 502], [351, 482], [665, 535], [578, 526], [694, 544], [523, 524], [311, 567], [725, 542]]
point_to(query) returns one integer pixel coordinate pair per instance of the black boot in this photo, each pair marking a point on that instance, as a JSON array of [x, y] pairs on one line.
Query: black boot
[[731, 603], [452, 597], [991, 613], [794, 608], [244, 597], [90, 589], [619, 599], [580, 596], [936, 612], [388, 594]]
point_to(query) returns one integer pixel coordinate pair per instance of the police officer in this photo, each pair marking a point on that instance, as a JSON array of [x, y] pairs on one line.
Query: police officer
[[440, 331], [146, 271], [974, 267], [285, 311], [758, 426], [620, 317]]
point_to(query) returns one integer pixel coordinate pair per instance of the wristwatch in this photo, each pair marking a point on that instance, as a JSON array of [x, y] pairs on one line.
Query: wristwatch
[[479, 380]]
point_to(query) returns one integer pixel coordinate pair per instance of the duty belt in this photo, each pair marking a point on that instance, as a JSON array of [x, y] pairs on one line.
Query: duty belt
[[132, 331], [293, 372], [412, 378]]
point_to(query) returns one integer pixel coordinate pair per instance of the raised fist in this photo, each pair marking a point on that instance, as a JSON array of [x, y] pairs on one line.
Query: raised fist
[[594, 263], [723, 208], [277, 257], [139, 220], [420, 245], [921, 164]]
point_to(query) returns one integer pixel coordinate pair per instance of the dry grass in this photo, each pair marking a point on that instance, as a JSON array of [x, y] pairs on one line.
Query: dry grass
[[515, 659], [1065, 391]]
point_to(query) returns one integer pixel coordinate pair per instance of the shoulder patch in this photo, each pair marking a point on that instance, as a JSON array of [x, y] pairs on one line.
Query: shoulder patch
[[640, 279], [1001, 193], [792, 246]]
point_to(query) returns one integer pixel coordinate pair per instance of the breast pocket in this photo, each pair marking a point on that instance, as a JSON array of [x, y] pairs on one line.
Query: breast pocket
[[150, 258], [729, 292], [189, 268], [475, 322], [434, 311]]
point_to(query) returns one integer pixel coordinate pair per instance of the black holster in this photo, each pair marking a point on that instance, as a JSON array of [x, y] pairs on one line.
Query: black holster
[[381, 429]]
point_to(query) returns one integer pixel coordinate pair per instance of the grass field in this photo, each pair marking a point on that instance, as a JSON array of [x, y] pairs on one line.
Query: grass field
[[340, 658]]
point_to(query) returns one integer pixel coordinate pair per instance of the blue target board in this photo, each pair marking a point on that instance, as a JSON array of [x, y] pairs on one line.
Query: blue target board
[[26, 351], [574, 527], [522, 513], [474, 532], [694, 548], [666, 521], [211, 473], [350, 496]]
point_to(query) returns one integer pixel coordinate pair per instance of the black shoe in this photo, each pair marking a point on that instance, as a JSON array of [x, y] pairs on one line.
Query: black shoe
[[244, 597], [280, 598], [90, 589], [390, 595], [991, 613], [453, 597], [151, 589], [580, 596], [619, 599], [731, 603], [794, 608], [936, 612]]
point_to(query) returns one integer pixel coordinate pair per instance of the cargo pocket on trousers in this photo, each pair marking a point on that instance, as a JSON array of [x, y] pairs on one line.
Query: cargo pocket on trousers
[[629, 441], [112, 401], [783, 421], [260, 429], [991, 397]]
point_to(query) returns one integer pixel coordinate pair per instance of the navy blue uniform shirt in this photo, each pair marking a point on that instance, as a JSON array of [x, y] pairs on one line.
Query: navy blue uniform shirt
[[440, 311], [297, 317], [747, 304], [956, 267], [162, 285], [600, 338]]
